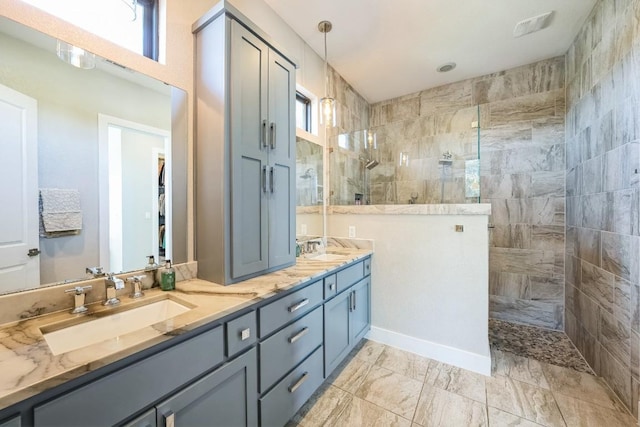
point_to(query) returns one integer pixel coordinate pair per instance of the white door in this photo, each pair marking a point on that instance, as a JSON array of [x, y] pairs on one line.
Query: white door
[[19, 191]]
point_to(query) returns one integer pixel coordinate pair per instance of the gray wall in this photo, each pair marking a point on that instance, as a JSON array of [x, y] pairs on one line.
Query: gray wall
[[521, 114], [603, 145]]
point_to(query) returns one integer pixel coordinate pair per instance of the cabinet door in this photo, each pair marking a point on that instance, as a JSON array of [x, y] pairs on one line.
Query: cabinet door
[[337, 340], [282, 158], [148, 419], [249, 151], [361, 312], [13, 422], [226, 397]]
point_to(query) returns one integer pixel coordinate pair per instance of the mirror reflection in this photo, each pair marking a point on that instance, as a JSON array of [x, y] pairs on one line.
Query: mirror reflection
[[309, 188], [86, 165]]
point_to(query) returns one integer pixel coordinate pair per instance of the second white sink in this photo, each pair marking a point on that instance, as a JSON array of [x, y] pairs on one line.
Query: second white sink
[[65, 339], [326, 257]]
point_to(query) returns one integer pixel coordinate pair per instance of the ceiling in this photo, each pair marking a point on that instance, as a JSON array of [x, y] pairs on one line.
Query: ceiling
[[386, 49]]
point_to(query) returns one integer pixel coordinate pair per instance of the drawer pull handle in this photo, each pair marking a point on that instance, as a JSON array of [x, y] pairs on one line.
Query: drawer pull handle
[[245, 334], [170, 420], [304, 331], [332, 286], [299, 305], [298, 383]]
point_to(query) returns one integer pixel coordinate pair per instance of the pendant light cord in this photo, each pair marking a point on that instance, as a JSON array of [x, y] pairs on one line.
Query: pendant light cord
[[326, 82]]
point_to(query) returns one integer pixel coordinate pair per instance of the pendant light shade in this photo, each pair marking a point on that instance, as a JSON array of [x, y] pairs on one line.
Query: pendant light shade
[[327, 104], [75, 56], [328, 108]]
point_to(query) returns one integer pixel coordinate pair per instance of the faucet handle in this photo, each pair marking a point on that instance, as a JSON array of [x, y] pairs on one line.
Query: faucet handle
[[78, 290], [95, 271], [78, 298], [137, 282]]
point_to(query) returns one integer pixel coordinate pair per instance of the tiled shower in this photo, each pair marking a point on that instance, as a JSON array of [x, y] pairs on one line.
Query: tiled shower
[[559, 160]]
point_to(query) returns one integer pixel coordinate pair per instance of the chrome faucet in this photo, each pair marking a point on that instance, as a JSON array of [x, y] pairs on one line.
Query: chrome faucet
[[312, 245], [137, 286], [78, 296], [94, 271], [113, 284]]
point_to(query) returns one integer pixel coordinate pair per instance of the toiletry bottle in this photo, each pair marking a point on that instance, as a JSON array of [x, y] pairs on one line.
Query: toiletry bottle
[[168, 277], [152, 273]]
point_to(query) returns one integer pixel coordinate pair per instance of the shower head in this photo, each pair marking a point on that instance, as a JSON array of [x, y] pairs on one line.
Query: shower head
[[371, 164]]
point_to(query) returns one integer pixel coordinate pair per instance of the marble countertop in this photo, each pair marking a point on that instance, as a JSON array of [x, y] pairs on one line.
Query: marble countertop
[[417, 209], [28, 367]]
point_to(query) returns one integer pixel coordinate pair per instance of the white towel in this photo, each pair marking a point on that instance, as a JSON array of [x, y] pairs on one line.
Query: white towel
[[60, 212]]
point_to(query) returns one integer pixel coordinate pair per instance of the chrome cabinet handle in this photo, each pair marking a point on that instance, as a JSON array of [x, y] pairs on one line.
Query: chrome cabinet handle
[[298, 383], [245, 334], [264, 134], [299, 305], [170, 419], [332, 286], [355, 301], [273, 135], [304, 331], [264, 179], [272, 175]]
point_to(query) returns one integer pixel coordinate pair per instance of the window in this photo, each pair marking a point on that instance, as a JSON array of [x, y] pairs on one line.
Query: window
[[132, 24], [303, 112]]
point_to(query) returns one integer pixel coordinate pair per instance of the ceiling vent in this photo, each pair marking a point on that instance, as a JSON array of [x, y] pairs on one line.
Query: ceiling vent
[[532, 25]]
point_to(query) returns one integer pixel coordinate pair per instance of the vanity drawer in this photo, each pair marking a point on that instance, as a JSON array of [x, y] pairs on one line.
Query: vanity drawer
[[12, 422], [350, 275], [330, 287], [287, 348], [111, 399], [284, 310], [241, 333], [367, 266], [281, 403]]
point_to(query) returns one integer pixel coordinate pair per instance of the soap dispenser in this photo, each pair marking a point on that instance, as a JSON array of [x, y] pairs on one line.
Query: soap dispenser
[[152, 273], [167, 277]]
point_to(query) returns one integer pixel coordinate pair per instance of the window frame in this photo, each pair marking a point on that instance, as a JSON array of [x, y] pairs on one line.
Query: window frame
[[150, 28], [301, 98]]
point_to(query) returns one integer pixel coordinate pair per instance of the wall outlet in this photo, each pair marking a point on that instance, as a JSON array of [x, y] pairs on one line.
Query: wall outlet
[[303, 229], [352, 231]]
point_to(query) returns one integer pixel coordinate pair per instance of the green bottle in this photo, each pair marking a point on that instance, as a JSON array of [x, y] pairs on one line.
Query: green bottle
[[167, 277]]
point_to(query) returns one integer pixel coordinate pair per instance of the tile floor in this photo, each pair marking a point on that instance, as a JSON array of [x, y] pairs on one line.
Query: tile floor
[[544, 345], [379, 385]]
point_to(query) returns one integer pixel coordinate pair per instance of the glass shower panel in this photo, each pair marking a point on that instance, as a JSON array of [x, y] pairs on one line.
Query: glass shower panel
[[433, 159]]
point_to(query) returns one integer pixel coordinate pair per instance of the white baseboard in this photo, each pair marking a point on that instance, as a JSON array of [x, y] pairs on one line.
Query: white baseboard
[[453, 356]]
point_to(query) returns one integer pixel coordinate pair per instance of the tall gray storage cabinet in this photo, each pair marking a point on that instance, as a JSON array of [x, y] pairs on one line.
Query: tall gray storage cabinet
[[245, 150]]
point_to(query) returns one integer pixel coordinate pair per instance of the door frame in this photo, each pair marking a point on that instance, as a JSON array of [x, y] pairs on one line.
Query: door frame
[[106, 205]]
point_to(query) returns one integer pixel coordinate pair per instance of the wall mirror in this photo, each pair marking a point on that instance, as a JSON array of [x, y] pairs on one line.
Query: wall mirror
[[93, 165], [309, 188]]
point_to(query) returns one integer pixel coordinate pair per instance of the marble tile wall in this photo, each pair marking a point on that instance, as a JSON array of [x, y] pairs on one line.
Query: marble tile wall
[[522, 160], [602, 289]]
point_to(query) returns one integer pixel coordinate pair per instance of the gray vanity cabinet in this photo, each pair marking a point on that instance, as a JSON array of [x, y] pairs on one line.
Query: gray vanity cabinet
[[245, 151], [347, 319], [13, 422], [227, 397]]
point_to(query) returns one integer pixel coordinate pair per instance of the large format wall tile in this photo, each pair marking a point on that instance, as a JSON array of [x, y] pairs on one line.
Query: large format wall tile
[[603, 159]]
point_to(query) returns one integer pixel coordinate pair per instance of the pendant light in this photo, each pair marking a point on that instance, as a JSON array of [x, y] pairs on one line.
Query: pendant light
[[327, 104]]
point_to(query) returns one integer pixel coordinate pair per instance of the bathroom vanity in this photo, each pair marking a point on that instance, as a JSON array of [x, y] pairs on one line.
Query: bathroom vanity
[[248, 354]]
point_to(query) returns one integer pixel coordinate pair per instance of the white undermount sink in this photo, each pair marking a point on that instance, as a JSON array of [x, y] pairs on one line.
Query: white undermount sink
[[62, 339], [325, 257]]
